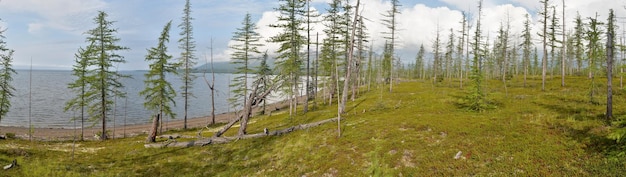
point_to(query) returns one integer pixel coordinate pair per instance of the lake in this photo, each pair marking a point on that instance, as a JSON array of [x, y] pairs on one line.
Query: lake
[[50, 93]]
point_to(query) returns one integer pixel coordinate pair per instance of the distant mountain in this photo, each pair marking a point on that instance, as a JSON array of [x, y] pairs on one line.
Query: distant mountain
[[228, 67]]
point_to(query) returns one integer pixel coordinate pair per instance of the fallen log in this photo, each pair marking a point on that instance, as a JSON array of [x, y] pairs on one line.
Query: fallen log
[[222, 140]]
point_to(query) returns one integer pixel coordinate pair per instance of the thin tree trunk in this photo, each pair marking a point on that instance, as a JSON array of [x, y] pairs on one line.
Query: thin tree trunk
[[346, 82]]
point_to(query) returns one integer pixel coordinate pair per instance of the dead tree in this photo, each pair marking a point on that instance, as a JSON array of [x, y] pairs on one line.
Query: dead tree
[[254, 99]]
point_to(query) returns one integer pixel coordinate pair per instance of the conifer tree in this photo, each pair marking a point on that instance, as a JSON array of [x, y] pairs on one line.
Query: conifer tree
[[7, 90], [103, 83], [245, 51], [437, 64], [187, 57], [579, 46], [332, 50], [288, 61], [263, 74], [159, 94], [419, 62], [79, 86], [527, 45], [476, 97], [6, 71], [391, 23], [460, 49], [594, 52], [449, 55]]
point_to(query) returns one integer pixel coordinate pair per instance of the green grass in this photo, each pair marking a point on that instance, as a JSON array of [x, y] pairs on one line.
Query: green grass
[[416, 130]]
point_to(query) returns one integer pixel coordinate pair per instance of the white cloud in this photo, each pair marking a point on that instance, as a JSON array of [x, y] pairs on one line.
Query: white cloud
[[35, 27], [64, 15]]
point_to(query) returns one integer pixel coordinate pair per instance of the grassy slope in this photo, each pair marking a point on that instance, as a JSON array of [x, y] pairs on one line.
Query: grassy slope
[[417, 129]]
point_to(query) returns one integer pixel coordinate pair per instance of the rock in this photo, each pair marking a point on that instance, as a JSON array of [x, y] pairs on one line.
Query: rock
[[458, 155]]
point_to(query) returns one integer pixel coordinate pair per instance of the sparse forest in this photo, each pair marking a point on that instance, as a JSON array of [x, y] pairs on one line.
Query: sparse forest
[[471, 100]]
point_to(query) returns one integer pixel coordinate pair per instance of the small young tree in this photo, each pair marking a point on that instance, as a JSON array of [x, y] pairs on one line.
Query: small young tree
[[419, 62], [594, 52], [437, 66], [187, 58], [103, 83], [159, 93], [79, 86]]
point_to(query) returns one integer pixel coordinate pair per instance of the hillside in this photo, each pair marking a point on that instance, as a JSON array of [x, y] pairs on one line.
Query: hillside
[[416, 130]]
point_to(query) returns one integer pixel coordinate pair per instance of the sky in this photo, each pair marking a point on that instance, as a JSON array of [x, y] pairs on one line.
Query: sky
[[49, 32]]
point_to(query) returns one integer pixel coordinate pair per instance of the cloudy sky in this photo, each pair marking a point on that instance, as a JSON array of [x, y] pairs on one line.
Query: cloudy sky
[[50, 31]]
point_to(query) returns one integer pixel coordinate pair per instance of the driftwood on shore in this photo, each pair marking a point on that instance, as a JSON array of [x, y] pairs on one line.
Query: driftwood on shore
[[221, 140]]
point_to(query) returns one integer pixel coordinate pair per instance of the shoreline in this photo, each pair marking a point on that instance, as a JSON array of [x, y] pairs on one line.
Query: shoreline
[[53, 134]]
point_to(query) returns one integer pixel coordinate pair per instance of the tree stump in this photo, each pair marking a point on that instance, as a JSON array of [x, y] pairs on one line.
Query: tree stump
[[153, 131]]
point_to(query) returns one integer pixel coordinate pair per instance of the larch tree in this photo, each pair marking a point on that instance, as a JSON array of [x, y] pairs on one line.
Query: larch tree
[[103, 83], [159, 94], [187, 57], [610, 53], [288, 62], [526, 45], [579, 46], [332, 50], [79, 86], [553, 41], [310, 15], [390, 21], [449, 54], [437, 64], [419, 62], [476, 97], [6, 76], [245, 51], [263, 73], [594, 52]]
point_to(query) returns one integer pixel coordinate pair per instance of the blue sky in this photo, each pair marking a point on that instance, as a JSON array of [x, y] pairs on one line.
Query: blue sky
[[50, 31]]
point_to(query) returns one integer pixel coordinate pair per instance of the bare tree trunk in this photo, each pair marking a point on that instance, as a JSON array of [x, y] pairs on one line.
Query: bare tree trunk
[[346, 82], [154, 130]]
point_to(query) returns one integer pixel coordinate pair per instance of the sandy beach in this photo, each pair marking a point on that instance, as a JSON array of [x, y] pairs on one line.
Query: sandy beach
[[48, 134]]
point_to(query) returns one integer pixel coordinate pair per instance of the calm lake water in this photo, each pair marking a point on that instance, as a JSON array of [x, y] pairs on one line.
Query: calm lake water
[[50, 93]]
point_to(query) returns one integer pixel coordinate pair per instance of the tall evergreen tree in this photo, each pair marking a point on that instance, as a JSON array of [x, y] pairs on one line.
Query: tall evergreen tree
[[79, 86], [7, 90], [419, 62], [460, 49], [332, 48], [476, 97], [437, 64], [103, 83], [159, 93], [288, 62], [449, 55], [246, 50], [579, 46], [187, 57], [527, 45], [391, 23], [6, 71], [594, 52]]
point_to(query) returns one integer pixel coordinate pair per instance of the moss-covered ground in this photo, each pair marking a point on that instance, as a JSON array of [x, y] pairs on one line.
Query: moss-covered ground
[[417, 130]]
